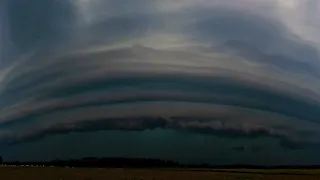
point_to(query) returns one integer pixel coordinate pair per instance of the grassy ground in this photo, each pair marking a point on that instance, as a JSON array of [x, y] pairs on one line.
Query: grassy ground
[[53, 173]]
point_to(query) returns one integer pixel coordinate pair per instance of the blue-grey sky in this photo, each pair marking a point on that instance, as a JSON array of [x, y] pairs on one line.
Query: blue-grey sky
[[195, 81]]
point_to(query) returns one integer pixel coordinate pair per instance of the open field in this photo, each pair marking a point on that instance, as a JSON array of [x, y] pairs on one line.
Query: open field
[[55, 173]]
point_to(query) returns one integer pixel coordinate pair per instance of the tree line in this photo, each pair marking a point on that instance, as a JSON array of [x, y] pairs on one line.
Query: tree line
[[144, 163]]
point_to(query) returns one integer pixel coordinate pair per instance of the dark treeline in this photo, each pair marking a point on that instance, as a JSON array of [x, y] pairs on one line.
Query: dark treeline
[[146, 163], [104, 162]]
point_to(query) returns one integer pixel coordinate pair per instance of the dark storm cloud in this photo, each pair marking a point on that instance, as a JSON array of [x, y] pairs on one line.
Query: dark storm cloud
[[297, 145], [7, 49], [263, 99], [124, 124], [238, 148], [37, 22], [43, 25], [259, 148], [151, 123], [73, 87], [218, 90], [227, 92], [119, 28]]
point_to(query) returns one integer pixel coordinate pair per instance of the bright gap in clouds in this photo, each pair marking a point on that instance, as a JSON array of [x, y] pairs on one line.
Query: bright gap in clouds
[[86, 10]]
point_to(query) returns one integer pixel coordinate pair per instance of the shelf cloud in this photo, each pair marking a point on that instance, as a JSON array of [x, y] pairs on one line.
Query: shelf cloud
[[230, 70]]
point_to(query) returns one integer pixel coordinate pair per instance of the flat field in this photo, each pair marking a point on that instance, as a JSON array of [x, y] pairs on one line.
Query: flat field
[[56, 173]]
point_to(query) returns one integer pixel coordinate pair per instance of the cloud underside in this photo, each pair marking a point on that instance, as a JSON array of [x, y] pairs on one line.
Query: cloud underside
[[216, 69], [228, 124], [139, 88], [216, 106]]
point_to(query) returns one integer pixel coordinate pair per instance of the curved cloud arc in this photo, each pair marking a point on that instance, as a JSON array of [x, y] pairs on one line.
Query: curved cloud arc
[[228, 73]]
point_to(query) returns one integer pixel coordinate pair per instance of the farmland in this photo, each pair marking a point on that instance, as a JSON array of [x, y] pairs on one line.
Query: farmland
[[59, 173]]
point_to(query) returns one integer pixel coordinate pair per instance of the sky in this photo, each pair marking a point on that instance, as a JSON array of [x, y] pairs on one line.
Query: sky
[[221, 82]]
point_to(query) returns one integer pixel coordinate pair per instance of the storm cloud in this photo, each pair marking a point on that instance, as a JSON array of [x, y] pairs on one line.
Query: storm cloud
[[214, 68]]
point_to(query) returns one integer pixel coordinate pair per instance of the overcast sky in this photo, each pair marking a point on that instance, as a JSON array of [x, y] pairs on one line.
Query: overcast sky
[[232, 81]]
